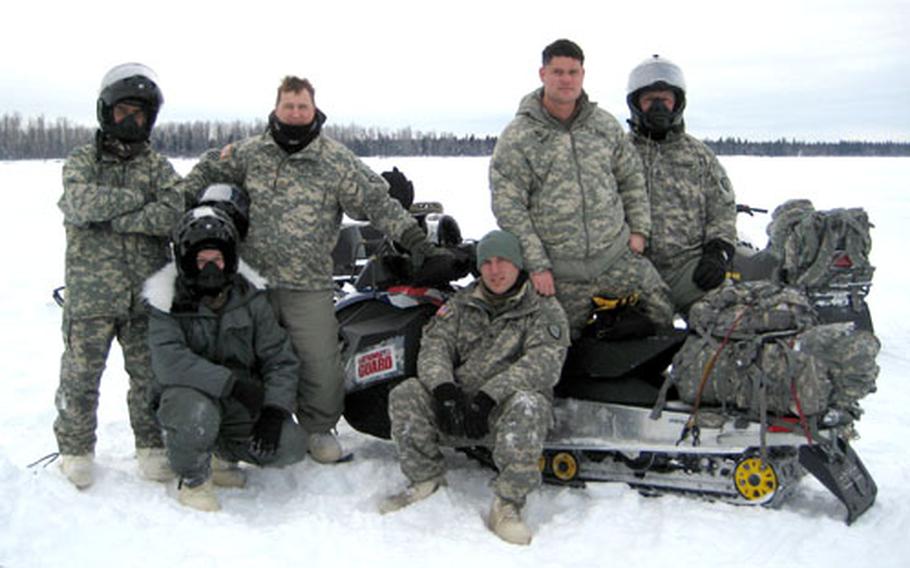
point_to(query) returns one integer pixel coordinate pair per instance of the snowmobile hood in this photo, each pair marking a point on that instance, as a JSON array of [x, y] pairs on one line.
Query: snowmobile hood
[[160, 288]]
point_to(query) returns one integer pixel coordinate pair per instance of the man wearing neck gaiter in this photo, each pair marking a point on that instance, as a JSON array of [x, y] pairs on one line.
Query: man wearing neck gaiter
[[300, 182], [487, 366]]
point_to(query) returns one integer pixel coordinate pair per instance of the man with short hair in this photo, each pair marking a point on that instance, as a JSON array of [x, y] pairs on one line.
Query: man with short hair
[[693, 207], [485, 374], [119, 203], [300, 182], [568, 184]]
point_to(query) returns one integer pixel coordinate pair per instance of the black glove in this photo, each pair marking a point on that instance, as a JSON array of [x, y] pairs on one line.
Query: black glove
[[400, 187], [267, 431], [712, 268], [248, 393], [448, 403], [477, 415]]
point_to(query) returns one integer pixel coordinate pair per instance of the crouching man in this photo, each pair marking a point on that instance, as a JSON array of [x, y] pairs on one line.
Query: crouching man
[[226, 371], [487, 366]]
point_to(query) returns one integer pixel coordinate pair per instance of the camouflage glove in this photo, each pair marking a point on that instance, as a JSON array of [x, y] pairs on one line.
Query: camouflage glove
[[415, 241], [712, 268], [477, 415], [267, 431], [448, 404], [248, 393]]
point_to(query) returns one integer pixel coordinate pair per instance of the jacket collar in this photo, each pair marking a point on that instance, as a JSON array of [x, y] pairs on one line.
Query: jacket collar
[[160, 288]]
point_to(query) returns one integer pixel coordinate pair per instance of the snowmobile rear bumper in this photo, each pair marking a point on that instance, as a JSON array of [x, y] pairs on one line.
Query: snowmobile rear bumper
[[840, 470]]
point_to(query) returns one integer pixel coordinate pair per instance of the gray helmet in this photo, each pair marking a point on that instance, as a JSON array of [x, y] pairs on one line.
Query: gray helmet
[[134, 83], [656, 73]]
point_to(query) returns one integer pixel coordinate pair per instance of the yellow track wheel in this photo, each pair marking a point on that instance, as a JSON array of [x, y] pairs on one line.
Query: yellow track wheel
[[565, 466], [755, 481]]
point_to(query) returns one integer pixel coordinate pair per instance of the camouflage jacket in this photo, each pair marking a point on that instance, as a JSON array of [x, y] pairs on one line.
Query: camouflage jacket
[[520, 349], [117, 215], [297, 202], [209, 350], [567, 192], [692, 200]]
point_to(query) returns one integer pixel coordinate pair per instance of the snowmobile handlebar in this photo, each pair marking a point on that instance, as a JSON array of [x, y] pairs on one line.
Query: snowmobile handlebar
[[743, 208]]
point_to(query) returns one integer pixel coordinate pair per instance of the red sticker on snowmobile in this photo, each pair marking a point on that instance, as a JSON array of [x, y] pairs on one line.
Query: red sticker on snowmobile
[[375, 364]]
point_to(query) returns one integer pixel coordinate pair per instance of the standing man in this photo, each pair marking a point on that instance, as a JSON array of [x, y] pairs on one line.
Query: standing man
[[569, 185], [300, 182], [226, 371], [693, 208], [487, 366], [119, 203]]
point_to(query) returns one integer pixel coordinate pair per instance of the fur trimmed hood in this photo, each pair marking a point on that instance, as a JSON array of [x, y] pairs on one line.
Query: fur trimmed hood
[[160, 288]]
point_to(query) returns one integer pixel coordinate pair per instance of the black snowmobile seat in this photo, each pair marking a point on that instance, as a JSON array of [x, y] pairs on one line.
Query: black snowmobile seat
[[627, 371]]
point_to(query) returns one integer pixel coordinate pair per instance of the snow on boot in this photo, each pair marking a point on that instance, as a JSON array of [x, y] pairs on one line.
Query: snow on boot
[[413, 493], [227, 474], [78, 469], [153, 464], [324, 447], [505, 522], [201, 497]]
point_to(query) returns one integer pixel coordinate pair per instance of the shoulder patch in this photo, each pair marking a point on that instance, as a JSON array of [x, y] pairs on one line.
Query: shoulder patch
[[443, 311], [555, 331]]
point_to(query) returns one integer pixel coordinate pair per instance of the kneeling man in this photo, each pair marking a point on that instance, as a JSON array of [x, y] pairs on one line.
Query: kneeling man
[[226, 371]]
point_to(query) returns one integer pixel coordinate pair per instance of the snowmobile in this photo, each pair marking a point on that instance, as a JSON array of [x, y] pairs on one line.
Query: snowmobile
[[608, 423]]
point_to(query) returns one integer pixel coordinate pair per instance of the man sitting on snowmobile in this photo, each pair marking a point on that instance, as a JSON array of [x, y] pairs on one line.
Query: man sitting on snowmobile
[[226, 371], [487, 365], [693, 208]]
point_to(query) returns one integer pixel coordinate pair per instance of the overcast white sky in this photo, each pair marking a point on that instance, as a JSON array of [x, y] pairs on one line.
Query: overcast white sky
[[805, 69]]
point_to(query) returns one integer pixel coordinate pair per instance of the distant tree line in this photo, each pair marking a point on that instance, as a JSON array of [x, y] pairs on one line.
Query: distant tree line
[[783, 147], [39, 138]]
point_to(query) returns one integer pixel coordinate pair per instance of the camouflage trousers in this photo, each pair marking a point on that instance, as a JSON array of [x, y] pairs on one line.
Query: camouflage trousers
[[628, 274], [87, 344], [683, 291], [309, 318], [518, 428], [196, 425]]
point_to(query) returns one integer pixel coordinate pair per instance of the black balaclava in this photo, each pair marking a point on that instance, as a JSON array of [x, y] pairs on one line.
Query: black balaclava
[[293, 138]]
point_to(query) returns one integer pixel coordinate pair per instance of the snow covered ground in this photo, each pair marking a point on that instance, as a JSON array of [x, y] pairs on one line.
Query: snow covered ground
[[314, 515]]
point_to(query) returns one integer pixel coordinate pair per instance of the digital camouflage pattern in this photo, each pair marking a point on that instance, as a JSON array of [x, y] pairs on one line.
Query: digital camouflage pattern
[[572, 194], [630, 274], [87, 344], [778, 354], [749, 373], [747, 309], [566, 191], [691, 199], [514, 357], [117, 215], [296, 204], [808, 243], [692, 203], [849, 356]]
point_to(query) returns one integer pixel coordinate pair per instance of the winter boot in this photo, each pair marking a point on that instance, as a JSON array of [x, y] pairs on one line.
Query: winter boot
[[201, 496], [324, 447], [413, 493], [78, 469], [227, 474], [153, 464], [505, 522]]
